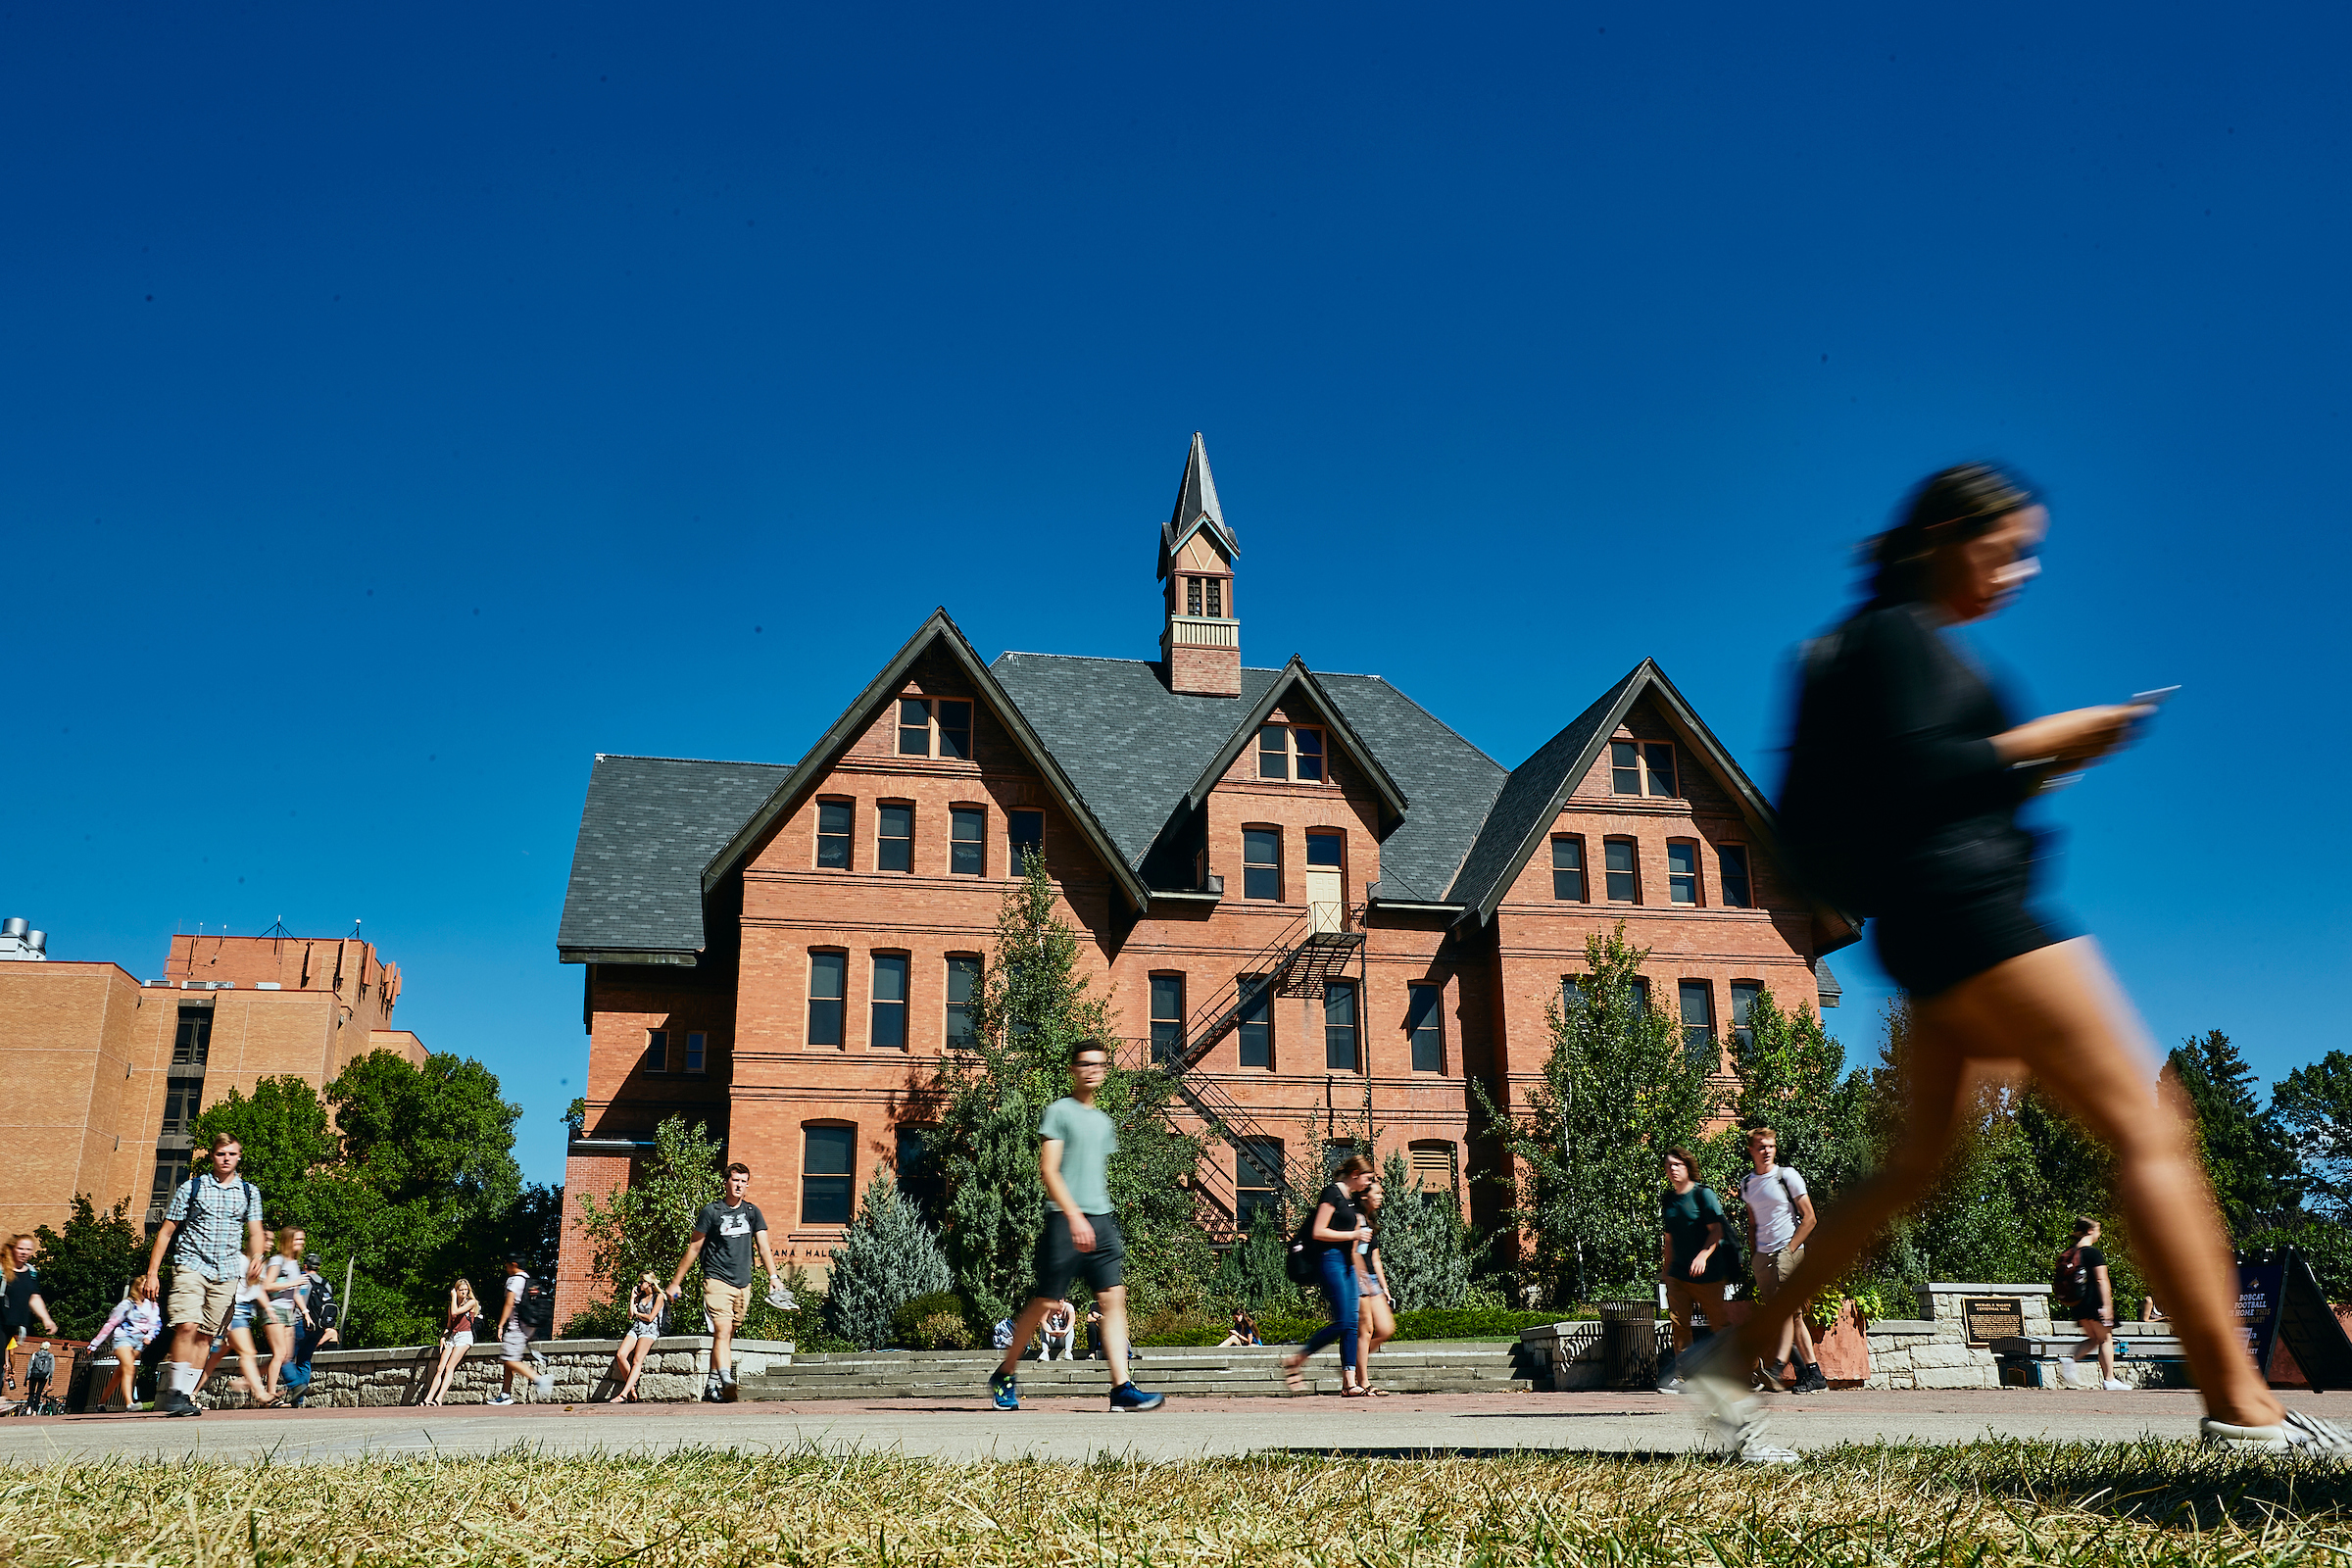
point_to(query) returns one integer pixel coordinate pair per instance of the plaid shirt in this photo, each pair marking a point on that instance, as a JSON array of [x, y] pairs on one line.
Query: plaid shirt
[[212, 1221]]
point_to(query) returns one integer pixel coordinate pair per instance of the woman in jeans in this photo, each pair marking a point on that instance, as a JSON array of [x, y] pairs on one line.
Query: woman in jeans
[[1377, 1324], [1693, 1225], [1333, 1233]]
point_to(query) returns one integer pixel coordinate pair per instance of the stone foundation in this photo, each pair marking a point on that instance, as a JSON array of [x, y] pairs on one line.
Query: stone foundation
[[397, 1375]]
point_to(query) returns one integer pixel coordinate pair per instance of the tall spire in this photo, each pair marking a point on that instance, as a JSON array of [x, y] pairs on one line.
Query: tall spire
[[1200, 647], [1195, 507]]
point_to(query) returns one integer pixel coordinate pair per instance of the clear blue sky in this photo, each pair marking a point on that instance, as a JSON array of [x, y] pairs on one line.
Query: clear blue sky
[[399, 410]]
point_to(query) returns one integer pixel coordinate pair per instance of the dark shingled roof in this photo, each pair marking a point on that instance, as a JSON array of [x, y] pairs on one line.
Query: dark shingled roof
[[1450, 782], [1130, 745], [1531, 800], [649, 827]]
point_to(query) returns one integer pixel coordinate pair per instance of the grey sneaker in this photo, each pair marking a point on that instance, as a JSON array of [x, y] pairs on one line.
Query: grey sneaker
[[2297, 1434], [1732, 1423], [543, 1385], [500, 1399]]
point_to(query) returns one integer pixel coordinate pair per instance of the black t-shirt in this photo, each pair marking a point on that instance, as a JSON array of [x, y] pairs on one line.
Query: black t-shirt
[[16, 1300], [2094, 1299], [727, 1241], [1344, 1216]]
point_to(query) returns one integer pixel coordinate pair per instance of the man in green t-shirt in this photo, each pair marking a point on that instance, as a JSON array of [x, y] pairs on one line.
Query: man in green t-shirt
[[1081, 1236]]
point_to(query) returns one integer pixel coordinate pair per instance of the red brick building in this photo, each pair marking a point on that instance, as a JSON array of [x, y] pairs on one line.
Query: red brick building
[[1323, 905]]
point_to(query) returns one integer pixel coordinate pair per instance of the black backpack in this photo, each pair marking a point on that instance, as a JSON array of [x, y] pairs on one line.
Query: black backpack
[[1301, 1262], [537, 1303], [1825, 838]]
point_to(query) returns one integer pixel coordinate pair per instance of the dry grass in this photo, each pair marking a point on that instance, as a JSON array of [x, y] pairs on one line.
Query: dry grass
[[1971, 1507]]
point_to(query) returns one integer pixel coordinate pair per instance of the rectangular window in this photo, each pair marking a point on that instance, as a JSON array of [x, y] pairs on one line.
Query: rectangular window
[[1256, 1181], [1743, 999], [696, 1050], [1424, 1025], [967, 841], [1291, 751], [1698, 1022], [1325, 849], [1568, 869], [833, 823], [893, 838], [1261, 862], [194, 1040], [1625, 883], [1217, 597], [1308, 742], [1639, 985], [1731, 877], [1681, 871], [1625, 768], [827, 1166], [914, 727], [178, 1106], [955, 729], [1339, 1025], [1192, 595], [657, 1051], [1273, 752], [1256, 1027], [828, 991], [1024, 836], [1167, 1016], [889, 1002], [916, 1176], [1657, 761], [1572, 993], [1641, 767], [170, 1169], [964, 1001]]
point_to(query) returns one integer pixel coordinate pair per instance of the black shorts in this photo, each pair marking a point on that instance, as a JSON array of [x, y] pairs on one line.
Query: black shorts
[[1933, 947], [1059, 1259]]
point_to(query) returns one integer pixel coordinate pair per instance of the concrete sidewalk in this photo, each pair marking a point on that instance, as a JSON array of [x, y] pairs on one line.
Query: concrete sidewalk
[[1083, 1429]]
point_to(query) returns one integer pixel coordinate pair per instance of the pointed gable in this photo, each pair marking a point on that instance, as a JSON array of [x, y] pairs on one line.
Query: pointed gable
[[939, 633], [1295, 678]]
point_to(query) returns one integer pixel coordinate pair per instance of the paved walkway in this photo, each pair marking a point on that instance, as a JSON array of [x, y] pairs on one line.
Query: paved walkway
[[1081, 1429]]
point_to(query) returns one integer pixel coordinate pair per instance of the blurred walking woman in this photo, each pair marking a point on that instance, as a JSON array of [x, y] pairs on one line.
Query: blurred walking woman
[[455, 1340], [1376, 1323], [1333, 1233], [1904, 779]]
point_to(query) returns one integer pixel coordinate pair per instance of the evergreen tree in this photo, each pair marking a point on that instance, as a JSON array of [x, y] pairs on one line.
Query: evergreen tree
[[1424, 1247], [2250, 1157], [1034, 1009], [2311, 1107], [887, 1257], [643, 1227], [1252, 1274], [85, 1268], [1618, 1091]]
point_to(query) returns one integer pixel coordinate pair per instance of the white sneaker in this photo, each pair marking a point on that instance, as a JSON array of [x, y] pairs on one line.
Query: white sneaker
[[543, 1385], [500, 1399], [2118, 1386], [1732, 1423], [2297, 1434], [2066, 1373]]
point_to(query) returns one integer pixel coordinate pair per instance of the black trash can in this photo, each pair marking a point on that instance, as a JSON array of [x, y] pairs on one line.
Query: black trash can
[[1628, 1344]]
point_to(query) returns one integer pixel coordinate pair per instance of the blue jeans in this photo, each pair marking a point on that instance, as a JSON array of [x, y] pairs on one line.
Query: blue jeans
[[1339, 1287]]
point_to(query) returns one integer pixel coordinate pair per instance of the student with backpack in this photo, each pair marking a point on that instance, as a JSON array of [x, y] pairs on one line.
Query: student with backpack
[[524, 1307], [1780, 1216], [1696, 1256], [1906, 772], [213, 1235], [2082, 1289], [1326, 1247], [38, 1373]]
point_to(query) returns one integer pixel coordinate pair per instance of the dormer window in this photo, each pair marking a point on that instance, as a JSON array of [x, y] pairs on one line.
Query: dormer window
[[930, 727], [1291, 751], [1641, 767]]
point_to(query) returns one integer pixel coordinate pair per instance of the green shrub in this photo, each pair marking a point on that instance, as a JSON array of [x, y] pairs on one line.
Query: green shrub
[[934, 1321]]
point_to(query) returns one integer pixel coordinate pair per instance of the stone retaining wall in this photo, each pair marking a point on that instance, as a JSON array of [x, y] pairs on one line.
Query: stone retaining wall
[[397, 1375], [1933, 1353]]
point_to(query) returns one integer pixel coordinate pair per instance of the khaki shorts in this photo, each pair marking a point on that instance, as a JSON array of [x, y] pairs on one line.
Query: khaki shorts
[[1774, 1269], [726, 1304], [193, 1299]]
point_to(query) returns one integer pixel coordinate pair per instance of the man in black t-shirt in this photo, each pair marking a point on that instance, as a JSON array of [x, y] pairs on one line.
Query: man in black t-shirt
[[724, 1235], [21, 1303], [2083, 1268]]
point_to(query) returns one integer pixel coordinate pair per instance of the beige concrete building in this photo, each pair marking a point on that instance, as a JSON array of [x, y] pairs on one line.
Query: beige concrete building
[[104, 1071]]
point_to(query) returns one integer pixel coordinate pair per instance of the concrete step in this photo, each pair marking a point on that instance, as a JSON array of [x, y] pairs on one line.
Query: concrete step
[[1422, 1368]]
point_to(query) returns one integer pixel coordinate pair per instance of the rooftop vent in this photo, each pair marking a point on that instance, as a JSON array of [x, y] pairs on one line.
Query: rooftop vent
[[19, 941]]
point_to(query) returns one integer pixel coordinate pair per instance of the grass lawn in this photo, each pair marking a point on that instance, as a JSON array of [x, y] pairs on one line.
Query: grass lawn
[[1971, 1507]]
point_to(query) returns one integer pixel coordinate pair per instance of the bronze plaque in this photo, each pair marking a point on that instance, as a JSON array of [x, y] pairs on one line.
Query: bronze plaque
[[1987, 1318]]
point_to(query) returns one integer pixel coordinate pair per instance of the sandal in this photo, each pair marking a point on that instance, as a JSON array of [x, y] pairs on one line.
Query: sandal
[[1377, 1393], [1291, 1374], [1356, 1390]]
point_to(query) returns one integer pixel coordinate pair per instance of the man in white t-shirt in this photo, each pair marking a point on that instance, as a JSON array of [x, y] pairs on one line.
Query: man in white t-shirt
[[1780, 1216], [515, 1332]]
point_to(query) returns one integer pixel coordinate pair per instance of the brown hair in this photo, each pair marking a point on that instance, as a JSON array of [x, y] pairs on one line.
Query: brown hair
[[220, 1138], [738, 1166], [1689, 1161], [1352, 1166], [2085, 1224], [1754, 1133], [8, 1253], [289, 1230]]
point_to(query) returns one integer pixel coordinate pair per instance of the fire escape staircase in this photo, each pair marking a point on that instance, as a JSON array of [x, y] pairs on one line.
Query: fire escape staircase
[[1313, 950]]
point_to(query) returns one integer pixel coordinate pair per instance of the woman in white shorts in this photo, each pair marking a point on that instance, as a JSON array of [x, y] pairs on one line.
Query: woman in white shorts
[[282, 1288], [646, 1303], [1375, 1322], [455, 1340]]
